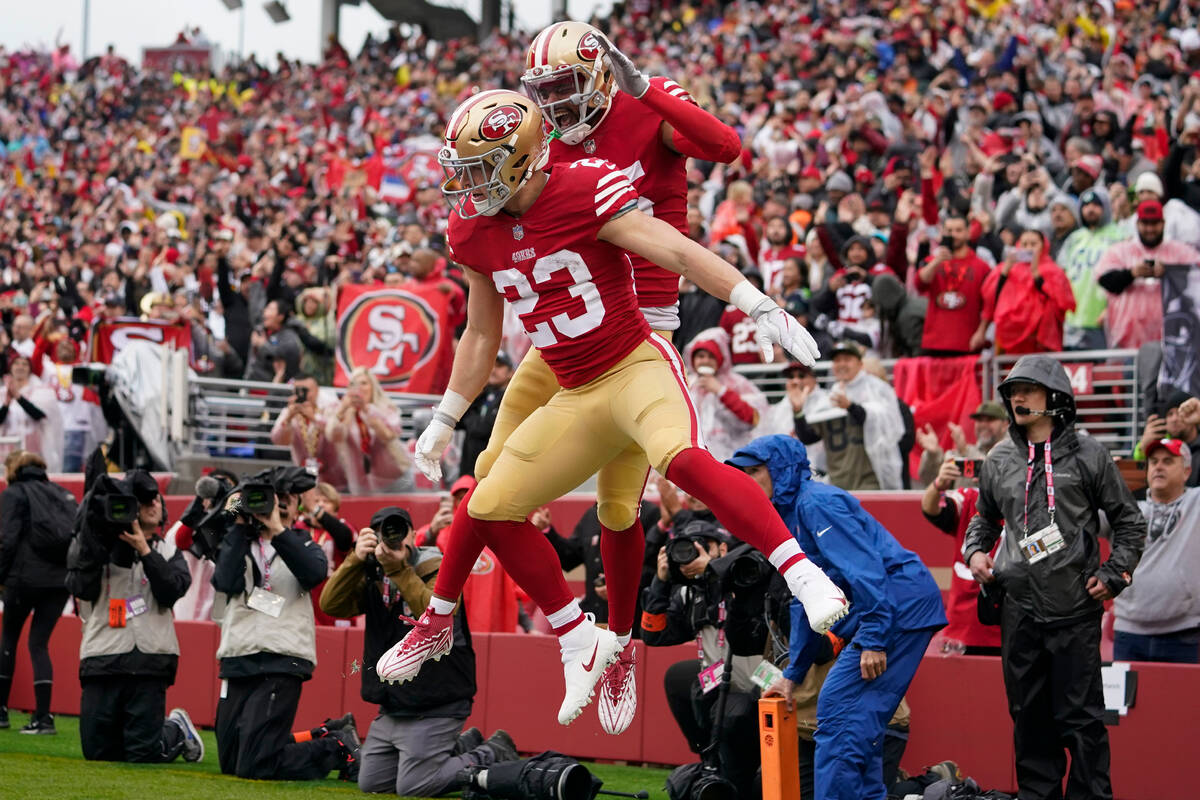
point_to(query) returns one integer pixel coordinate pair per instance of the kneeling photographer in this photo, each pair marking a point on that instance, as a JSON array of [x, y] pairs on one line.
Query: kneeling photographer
[[685, 602], [265, 570], [416, 745], [126, 578]]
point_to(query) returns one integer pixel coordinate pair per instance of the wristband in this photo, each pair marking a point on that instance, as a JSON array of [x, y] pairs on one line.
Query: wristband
[[451, 409], [750, 301]]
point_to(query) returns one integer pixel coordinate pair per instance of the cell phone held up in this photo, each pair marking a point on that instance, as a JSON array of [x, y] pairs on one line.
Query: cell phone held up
[[969, 467]]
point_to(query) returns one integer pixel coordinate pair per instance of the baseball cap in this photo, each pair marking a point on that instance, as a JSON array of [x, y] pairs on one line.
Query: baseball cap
[[810, 172], [1090, 197], [990, 410], [839, 182], [1150, 211], [742, 460], [1175, 399], [1176, 447], [848, 347], [795, 369], [1091, 164], [504, 358]]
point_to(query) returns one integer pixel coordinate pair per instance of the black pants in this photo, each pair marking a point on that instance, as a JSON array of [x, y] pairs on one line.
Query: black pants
[[1055, 697], [254, 732], [695, 712], [46, 606], [121, 718]]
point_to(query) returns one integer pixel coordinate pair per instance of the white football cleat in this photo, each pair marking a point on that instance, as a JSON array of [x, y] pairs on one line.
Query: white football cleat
[[824, 603], [618, 693], [431, 637], [583, 667]]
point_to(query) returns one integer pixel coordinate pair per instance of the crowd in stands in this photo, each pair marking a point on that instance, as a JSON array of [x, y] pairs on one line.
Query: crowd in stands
[[1006, 177]]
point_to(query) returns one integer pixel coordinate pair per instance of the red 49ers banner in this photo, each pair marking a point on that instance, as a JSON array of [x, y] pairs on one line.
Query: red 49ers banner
[[110, 337], [401, 335]]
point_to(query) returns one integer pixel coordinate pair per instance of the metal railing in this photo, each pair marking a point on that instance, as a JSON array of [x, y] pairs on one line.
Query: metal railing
[[233, 418], [1106, 383]]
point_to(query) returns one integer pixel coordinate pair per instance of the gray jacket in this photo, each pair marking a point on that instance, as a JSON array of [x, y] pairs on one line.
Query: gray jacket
[[1162, 598], [1086, 482]]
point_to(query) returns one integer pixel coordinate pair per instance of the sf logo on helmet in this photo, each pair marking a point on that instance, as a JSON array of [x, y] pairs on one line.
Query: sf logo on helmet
[[501, 123], [589, 47]]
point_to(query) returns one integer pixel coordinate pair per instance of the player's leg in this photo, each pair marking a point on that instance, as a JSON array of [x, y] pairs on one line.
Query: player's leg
[[530, 388], [550, 454], [619, 489], [656, 411]]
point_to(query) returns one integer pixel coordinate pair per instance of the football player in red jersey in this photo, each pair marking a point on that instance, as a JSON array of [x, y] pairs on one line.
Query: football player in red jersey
[[647, 129], [551, 241]]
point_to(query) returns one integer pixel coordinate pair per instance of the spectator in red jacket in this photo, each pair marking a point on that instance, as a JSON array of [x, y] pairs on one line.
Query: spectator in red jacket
[[1027, 297]]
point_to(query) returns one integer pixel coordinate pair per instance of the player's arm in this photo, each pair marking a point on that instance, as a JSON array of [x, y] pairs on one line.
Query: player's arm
[[473, 361], [686, 128], [658, 242]]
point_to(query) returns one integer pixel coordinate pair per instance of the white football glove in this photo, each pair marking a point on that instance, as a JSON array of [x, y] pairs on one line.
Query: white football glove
[[778, 327], [628, 77], [432, 442]]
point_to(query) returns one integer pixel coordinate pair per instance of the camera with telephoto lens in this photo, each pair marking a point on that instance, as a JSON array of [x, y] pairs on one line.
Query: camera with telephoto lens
[[392, 526], [546, 776], [681, 550], [742, 569], [111, 505]]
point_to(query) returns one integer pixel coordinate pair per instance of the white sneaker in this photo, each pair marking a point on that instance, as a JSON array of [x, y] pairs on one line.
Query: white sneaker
[[431, 637], [584, 666], [193, 745], [823, 601], [618, 693]]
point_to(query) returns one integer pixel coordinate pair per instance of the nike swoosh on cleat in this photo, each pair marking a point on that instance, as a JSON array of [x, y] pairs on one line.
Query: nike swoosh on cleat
[[592, 661]]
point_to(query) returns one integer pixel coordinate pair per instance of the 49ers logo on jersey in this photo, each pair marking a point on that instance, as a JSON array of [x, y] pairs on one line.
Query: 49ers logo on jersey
[[500, 123], [390, 332], [589, 47]]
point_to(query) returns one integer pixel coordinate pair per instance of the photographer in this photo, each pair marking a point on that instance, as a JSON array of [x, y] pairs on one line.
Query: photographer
[[415, 745], [684, 603], [1043, 488], [126, 578], [895, 611], [301, 426], [268, 639]]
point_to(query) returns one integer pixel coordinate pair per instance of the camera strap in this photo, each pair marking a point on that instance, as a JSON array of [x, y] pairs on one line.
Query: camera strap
[[720, 634], [1029, 482], [264, 562]]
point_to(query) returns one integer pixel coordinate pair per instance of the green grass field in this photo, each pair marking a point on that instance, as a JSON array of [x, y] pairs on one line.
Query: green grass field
[[52, 767]]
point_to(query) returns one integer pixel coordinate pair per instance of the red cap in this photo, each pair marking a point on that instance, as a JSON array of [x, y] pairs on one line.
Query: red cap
[[1002, 100], [1176, 447], [864, 175], [810, 172], [1091, 164], [1150, 210]]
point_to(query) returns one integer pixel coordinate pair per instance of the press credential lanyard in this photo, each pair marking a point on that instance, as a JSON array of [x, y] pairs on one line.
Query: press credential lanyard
[[1049, 483]]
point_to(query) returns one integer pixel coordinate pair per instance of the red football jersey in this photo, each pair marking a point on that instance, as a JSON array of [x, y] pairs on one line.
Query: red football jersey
[[742, 330], [770, 265], [630, 137], [572, 292]]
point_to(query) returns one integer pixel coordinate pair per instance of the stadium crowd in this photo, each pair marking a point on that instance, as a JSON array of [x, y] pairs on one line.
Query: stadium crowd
[[914, 181], [1008, 176]]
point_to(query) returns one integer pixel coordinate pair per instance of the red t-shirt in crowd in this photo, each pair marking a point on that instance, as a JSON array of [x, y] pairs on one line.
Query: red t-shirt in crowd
[[962, 605], [955, 303]]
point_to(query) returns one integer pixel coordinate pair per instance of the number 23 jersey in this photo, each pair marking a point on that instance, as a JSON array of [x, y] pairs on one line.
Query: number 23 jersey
[[572, 292]]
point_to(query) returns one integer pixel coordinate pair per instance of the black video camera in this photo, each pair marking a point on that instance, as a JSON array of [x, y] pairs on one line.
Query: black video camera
[[742, 569], [241, 505]]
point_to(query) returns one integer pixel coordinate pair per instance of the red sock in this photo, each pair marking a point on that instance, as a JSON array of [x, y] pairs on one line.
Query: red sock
[[735, 498], [462, 551], [621, 553], [529, 558]]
